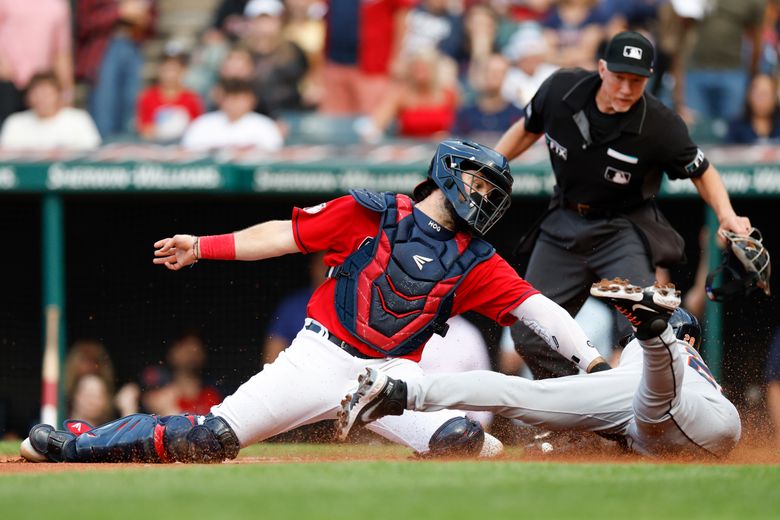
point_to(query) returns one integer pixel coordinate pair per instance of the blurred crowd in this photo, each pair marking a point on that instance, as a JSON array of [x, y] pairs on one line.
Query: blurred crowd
[[75, 74]]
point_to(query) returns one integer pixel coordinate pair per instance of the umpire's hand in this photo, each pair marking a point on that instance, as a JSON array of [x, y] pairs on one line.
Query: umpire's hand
[[735, 224]]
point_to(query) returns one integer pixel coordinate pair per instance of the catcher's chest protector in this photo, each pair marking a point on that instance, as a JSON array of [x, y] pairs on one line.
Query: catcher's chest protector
[[396, 290]]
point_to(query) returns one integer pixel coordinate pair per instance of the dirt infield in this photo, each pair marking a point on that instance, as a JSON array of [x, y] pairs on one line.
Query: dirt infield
[[745, 453]]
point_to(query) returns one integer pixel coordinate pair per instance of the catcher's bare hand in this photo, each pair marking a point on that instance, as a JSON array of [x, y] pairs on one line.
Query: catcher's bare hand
[[175, 252]]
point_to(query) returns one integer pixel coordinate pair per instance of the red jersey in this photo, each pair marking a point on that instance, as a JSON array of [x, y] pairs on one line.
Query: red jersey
[[427, 120], [340, 226], [151, 102], [201, 405]]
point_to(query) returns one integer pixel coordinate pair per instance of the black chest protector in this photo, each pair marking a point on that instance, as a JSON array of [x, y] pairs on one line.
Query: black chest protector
[[397, 289]]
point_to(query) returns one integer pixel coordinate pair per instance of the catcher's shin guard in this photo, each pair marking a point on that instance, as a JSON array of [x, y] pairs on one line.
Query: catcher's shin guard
[[142, 438], [196, 439], [129, 439]]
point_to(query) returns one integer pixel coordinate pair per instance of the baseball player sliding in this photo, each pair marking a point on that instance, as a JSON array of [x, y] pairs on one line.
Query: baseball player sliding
[[661, 399], [399, 268]]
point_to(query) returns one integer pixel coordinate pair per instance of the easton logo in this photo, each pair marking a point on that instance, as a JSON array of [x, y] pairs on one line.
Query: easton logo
[[421, 261], [632, 52]]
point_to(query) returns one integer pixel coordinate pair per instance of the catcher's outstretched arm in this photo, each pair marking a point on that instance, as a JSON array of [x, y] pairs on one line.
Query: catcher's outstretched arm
[[266, 240]]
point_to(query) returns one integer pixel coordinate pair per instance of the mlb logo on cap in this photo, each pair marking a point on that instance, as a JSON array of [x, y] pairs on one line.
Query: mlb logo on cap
[[632, 52]]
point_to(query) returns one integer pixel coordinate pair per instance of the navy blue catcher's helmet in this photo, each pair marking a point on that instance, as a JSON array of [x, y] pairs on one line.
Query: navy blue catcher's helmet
[[686, 327], [454, 169]]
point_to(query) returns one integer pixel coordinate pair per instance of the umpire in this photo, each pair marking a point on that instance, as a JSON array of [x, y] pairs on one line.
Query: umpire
[[609, 144]]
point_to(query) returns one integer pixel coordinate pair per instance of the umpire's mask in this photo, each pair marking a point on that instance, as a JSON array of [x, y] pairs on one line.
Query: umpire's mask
[[744, 269]]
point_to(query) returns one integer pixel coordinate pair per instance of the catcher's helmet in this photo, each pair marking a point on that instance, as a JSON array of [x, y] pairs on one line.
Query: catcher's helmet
[[454, 169], [686, 327], [745, 268]]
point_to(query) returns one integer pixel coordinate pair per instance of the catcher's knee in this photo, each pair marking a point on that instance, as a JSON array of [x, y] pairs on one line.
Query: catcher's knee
[[198, 438], [457, 436]]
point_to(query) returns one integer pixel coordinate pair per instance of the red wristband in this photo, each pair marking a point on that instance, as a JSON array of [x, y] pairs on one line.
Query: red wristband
[[218, 247]]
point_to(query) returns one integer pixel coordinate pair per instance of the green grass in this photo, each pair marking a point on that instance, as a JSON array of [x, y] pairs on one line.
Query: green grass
[[397, 490]]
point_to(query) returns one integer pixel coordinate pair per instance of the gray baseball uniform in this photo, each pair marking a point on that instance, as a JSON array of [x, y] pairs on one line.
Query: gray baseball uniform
[[661, 397]]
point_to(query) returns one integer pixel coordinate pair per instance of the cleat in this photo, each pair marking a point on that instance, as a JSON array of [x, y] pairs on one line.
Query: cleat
[[647, 309], [377, 395]]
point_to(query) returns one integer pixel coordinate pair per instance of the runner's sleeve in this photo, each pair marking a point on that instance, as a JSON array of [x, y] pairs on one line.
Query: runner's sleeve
[[557, 328], [493, 289]]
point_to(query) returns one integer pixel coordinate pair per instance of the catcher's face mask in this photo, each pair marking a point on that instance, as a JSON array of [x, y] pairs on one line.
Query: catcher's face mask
[[745, 268], [476, 181]]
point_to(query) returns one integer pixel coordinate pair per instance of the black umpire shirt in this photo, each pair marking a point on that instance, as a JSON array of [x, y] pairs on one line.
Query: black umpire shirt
[[609, 161]]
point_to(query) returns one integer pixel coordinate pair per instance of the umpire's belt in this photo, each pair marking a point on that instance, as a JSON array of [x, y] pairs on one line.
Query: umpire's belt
[[319, 329], [588, 211]]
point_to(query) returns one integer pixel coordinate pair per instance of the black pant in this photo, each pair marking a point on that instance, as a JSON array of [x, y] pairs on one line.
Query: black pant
[[11, 100], [570, 254]]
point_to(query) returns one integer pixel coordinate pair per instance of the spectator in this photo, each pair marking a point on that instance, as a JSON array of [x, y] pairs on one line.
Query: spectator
[[305, 27], [574, 29], [279, 65], [632, 14], [773, 385], [512, 13], [165, 109], [431, 25], [109, 34], [716, 78], [234, 124], [227, 28], [180, 386], [35, 36], [229, 19], [491, 113], [87, 357], [525, 10], [237, 65], [760, 124], [422, 104], [528, 52], [48, 125], [362, 41], [479, 42], [290, 313], [92, 400]]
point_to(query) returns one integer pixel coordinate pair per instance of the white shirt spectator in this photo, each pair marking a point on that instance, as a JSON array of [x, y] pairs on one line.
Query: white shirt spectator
[[519, 87], [69, 129], [527, 51], [215, 130]]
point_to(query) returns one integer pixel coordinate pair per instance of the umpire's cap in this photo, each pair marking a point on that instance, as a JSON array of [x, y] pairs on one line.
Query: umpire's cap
[[630, 52]]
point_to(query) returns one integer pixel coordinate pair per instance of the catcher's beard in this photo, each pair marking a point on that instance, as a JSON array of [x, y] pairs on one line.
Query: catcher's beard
[[454, 222]]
